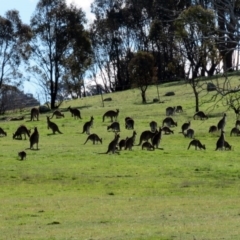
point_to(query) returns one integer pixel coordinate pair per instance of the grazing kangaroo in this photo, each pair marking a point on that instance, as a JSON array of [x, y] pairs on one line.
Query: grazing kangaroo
[[235, 131], [130, 141], [221, 124], [227, 146], [22, 130], [169, 122], [145, 136], [34, 138], [2, 132], [94, 138], [157, 138], [148, 146], [58, 114], [115, 126], [220, 141], [212, 129], [185, 126], [87, 126], [53, 126], [75, 112], [167, 130], [189, 133], [197, 144], [153, 126], [237, 123], [34, 114], [22, 155], [179, 109], [122, 143], [112, 147], [170, 111], [129, 123], [112, 114], [201, 115]]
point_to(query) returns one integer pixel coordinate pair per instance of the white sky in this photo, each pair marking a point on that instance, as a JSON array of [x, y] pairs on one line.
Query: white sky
[[26, 9]]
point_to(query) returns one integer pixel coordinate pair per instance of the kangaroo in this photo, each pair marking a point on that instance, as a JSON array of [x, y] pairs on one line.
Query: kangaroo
[[130, 141], [185, 126], [221, 124], [157, 138], [129, 123], [112, 147], [34, 114], [201, 115], [53, 126], [220, 141], [145, 136], [122, 143], [34, 138], [153, 126], [20, 131], [87, 126], [235, 131], [75, 112], [2, 132], [167, 130], [22, 155], [58, 114], [179, 109], [114, 126], [189, 133], [197, 144], [237, 123], [169, 122], [94, 138], [112, 114], [170, 111], [212, 129], [148, 146], [227, 146]]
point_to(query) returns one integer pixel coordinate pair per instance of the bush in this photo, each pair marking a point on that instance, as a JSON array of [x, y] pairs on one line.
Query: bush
[[170, 94]]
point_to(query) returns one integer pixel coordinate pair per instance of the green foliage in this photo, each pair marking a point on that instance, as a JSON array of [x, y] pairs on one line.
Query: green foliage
[[67, 190]]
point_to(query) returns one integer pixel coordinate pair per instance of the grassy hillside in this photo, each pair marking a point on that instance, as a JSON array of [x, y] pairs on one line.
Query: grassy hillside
[[67, 190]]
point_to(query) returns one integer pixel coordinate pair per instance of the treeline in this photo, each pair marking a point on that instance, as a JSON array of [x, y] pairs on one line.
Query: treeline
[[130, 43]]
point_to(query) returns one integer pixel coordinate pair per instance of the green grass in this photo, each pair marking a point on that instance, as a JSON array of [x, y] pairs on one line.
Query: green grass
[[67, 190]]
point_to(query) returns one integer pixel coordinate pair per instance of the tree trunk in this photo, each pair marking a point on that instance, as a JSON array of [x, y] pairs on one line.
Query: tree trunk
[[196, 98], [144, 97], [53, 100]]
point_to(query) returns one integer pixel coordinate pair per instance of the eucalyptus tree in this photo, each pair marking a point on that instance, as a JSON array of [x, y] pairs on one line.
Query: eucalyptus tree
[[56, 29], [14, 47]]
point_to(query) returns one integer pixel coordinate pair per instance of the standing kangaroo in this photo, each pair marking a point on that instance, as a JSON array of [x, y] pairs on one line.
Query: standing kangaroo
[[201, 115], [94, 138], [87, 126], [21, 130], [157, 138], [130, 141], [221, 124], [185, 126], [122, 143], [220, 141], [145, 136], [170, 111], [197, 144], [34, 114], [169, 122], [53, 126], [34, 138], [153, 126], [112, 147], [58, 114], [75, 112], [112, 114]]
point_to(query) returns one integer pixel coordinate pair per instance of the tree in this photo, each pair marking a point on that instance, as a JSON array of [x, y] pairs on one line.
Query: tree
[[56, 28], [14, 47], [141, 69]]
